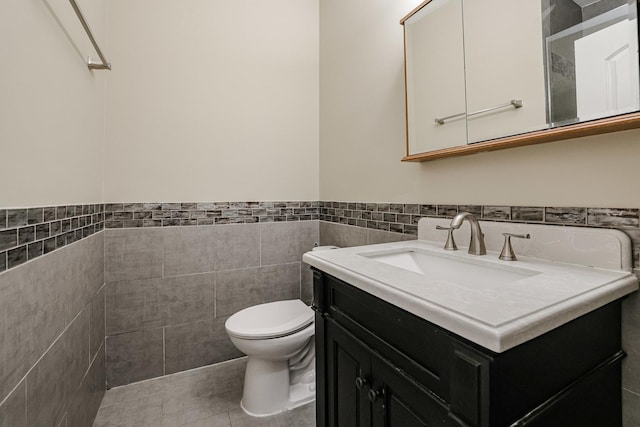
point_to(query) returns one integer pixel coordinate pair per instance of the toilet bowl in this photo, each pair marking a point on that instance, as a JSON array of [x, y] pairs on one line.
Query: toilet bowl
[[278, 338]]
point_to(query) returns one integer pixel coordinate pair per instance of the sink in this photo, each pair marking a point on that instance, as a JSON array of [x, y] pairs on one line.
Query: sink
[[463, 271], [561, 274]]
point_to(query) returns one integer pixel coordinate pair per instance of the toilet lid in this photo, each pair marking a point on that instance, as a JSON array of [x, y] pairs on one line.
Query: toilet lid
[[270, 320]]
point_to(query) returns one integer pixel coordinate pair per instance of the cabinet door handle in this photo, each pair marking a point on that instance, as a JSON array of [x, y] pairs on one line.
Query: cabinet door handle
[[373, 395], [361, 382]]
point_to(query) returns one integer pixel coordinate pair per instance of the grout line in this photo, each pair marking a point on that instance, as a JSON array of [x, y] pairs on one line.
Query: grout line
[[164, 352], [44, 353], [104, 340], [215, 295], [188, 371], [26, 401], [631, 391], [260, 245], [300, 281]]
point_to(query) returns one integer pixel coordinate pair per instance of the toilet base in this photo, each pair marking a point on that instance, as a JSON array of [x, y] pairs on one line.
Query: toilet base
[[301, 394], [267, 390]]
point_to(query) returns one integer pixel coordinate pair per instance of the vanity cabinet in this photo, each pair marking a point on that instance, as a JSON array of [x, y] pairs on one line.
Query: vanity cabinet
[[368, 390], [379, 365]]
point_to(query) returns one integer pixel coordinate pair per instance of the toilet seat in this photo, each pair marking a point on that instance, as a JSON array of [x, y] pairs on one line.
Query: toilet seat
[[270, 320]]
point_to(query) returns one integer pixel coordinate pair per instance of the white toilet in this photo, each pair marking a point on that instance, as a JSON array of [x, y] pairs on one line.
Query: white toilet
[[278, 338]]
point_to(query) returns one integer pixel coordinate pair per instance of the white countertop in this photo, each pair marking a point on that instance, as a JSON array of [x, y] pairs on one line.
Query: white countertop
[[497, 316]]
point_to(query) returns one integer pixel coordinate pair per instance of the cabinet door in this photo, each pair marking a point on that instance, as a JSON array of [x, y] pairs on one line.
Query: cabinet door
[[504, 61], [399, 402], [348, 377]]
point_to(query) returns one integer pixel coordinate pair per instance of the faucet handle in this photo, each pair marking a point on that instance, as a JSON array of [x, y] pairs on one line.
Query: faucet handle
[[451, 244], [507, 253]]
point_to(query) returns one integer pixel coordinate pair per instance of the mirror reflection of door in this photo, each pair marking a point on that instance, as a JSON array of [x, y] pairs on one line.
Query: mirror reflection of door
[[606, 78], [591, 52]]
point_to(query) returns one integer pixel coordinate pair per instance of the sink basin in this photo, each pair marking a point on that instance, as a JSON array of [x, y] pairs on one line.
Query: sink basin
[[463, 271], [562, 274]]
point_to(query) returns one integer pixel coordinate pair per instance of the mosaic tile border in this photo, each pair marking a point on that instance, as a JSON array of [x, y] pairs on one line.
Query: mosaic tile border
[[28, 233], [156, 214], [403, 217]]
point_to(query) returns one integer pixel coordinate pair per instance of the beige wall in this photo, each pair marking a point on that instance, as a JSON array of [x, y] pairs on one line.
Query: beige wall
[[236, 117], [51, 106], [212, 100], [362, 133]]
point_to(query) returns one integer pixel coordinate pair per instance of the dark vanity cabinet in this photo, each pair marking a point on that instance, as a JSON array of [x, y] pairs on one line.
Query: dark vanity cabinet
[[378, 365]]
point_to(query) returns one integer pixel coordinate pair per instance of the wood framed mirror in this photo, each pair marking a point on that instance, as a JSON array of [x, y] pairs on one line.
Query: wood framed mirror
[[497, 74]]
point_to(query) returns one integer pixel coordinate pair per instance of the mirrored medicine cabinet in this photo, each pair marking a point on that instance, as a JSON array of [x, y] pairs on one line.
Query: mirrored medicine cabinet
[[493, 74]]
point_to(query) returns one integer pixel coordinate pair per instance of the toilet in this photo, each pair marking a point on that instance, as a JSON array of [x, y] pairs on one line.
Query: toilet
[[278, 337]]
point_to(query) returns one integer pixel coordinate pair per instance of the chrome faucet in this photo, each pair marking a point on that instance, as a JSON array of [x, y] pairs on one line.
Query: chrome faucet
[[476, 245]]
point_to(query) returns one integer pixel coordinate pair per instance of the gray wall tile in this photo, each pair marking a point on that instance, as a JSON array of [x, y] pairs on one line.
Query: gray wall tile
[[197, 344], [76, 342], [630, 409], [474, 209], [280, 282], [32, 302], [146, 304], [527, 213], [16, 217], [97, 322], [428, 209], [133, 254], [238, 289], [134, 357], [631, 343], [378, 236], [188, 250], [341, 235], [447, 210], [566, 215], [13, 412], [16, 339], [125, 305], [286, 242], [86, 400], [236, 246], [51, 383], [181, 299], [496, 212], [306, 284], [17, 256], [613, 217], [8, 239], [85, 263]]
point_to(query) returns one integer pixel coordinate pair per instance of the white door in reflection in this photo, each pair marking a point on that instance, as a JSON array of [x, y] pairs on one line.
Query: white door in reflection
[[606, 71]]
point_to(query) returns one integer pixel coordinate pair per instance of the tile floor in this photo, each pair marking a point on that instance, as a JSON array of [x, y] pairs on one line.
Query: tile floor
[[203, 397]]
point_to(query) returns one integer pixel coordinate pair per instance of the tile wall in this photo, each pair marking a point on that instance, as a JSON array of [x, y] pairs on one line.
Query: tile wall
[[355, 223], [173, 273], [128, 215], [52, 327], [28, 233], [169, 288]]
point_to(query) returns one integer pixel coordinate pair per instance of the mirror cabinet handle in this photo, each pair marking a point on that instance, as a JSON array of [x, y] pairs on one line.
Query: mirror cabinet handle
[[373, 395], [515, 103]]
